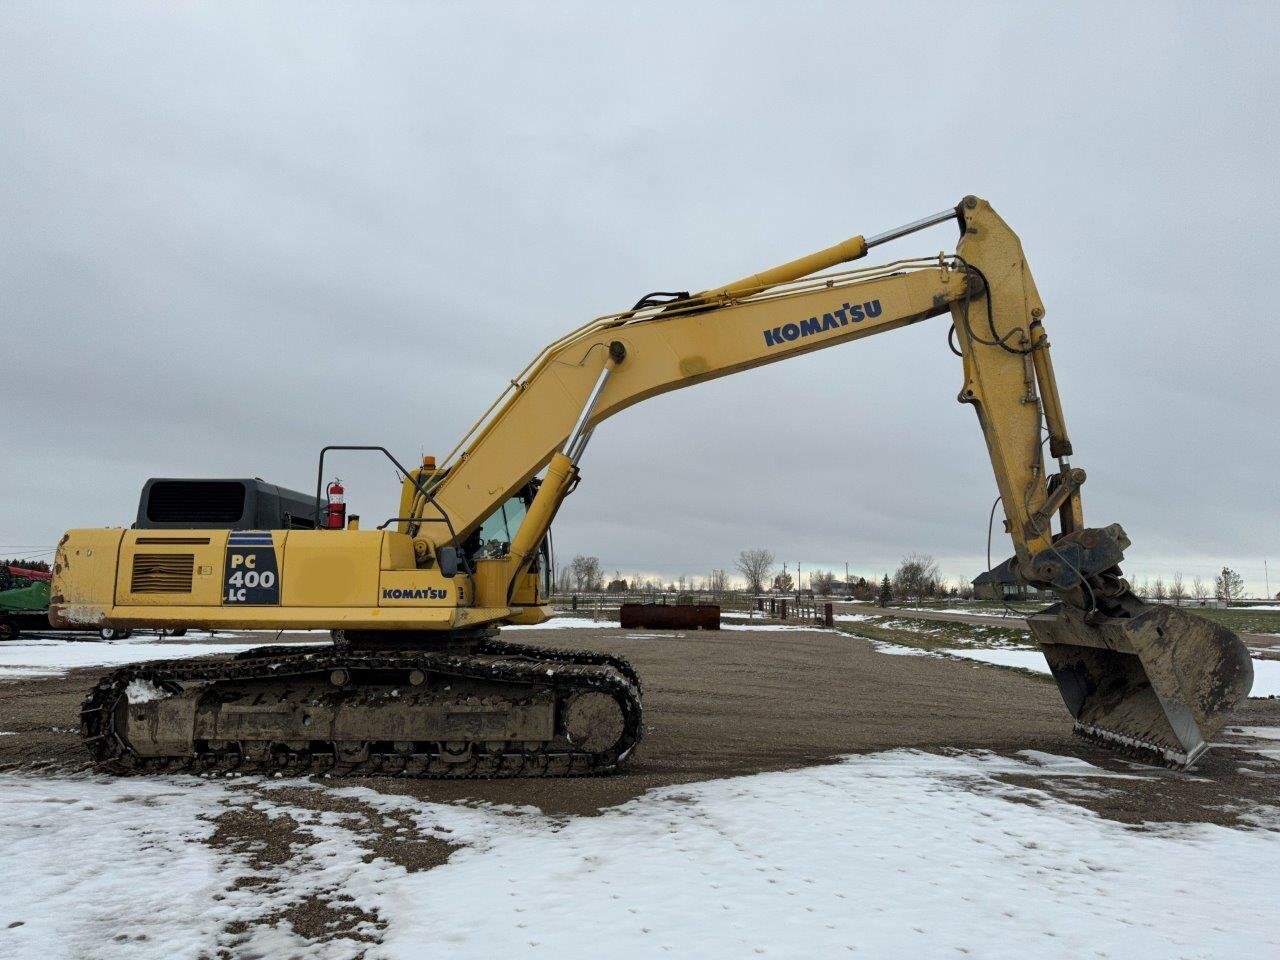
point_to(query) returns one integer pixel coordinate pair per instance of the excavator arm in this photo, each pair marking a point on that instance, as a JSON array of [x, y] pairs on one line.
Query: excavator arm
[[551, 409], [1149, 678]]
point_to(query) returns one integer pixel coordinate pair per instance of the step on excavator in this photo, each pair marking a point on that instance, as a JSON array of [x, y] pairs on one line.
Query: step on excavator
[[418, 681]]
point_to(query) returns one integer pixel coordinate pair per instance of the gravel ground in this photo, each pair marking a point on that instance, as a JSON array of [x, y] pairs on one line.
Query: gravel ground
[[734, 702]]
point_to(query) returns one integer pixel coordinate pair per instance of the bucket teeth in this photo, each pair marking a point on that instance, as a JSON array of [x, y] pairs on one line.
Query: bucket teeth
[[1148, 751]]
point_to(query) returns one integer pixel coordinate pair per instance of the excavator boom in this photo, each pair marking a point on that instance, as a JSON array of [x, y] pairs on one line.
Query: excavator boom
[[1144, 678]]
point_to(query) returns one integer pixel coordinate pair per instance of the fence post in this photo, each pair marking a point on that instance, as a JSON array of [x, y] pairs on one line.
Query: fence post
[[828, 615], [783, 612], [575, 601]]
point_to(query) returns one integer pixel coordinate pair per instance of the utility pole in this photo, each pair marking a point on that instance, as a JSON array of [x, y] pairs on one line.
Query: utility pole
[[799, 580], [1266, 576]]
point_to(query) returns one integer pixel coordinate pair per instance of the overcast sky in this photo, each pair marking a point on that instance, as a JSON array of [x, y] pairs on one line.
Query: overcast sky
[[232, 234]]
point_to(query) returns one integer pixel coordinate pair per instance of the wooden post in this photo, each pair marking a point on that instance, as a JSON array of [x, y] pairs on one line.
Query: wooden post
[[828, 615]]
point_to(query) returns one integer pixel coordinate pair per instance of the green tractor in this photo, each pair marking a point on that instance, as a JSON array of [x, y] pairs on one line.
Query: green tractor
[[24, 605], [24, 600]]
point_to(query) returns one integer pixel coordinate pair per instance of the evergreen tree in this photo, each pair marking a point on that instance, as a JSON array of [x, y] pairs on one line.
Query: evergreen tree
[[886, 591]]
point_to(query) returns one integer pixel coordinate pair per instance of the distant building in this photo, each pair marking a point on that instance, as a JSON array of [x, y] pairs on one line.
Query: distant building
[[999, 584]]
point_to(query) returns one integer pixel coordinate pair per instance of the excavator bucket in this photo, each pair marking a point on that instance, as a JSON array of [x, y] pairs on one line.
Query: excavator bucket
[[1160, 683]]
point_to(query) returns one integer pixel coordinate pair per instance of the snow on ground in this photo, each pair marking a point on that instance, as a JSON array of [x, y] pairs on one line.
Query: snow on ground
[[23, 658], [898, 649], [777, 627], [885, 855], [1259, 740], [577, 623], [1024, 659], [1266, 673], [566, 623]]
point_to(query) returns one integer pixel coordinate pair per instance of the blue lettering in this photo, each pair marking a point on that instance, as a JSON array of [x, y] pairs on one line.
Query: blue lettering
[[841, 317], [429, 593]]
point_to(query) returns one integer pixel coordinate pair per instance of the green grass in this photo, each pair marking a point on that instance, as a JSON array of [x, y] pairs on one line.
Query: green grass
[[935, 635], [1241, 618]]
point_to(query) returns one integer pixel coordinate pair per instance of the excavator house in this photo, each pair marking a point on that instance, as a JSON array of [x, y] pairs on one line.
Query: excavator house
[[418, 681]]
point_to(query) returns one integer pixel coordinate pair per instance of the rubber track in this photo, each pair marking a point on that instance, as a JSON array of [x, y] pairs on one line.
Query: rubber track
[[564, 671]]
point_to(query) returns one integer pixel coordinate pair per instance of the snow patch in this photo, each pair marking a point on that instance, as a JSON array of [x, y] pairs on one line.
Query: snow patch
[[1266, 673], [53, 658], [1024, 659], [776, 628], [885, 855], [897, 649], [566, 623], [144, 691]]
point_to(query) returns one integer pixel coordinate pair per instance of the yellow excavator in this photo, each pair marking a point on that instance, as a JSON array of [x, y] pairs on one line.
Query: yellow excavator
[[418, 681]]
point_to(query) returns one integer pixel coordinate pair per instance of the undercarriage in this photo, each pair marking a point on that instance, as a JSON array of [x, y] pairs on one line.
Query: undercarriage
[[467, 707]]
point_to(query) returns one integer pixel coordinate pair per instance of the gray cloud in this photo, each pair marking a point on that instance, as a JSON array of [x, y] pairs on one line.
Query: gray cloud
[[233, 234]]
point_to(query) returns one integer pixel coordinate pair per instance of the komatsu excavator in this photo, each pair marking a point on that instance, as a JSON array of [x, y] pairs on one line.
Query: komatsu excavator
[[418, 683]]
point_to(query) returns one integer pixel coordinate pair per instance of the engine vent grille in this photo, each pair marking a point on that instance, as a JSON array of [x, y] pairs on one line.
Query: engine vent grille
[[162, 572]]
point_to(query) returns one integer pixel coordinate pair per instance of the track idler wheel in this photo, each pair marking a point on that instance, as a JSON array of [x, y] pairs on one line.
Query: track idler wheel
[[593, 721]]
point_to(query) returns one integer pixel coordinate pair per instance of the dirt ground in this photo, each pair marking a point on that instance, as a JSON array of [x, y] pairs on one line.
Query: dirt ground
[[737, 702]]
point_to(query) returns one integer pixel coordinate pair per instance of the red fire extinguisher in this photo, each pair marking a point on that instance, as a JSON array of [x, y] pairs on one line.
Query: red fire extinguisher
[[336, 512]]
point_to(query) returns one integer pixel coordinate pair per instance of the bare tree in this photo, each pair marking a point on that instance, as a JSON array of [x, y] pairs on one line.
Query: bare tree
[[718, 582], [564, 580], [917, 576], [1177, 590], [586, 572], [823, 582], [1157, 589], [1199, 590], [755, 565], [1229, 585]]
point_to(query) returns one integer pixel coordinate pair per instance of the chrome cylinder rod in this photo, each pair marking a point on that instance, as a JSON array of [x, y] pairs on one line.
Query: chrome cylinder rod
[[579, 435], [913, 227]]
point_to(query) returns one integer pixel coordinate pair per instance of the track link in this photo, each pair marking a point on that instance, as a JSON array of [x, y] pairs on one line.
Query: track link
[[564, 672]]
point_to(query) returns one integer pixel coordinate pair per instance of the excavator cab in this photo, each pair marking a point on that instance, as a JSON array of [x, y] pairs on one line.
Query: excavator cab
[[493, 539]]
